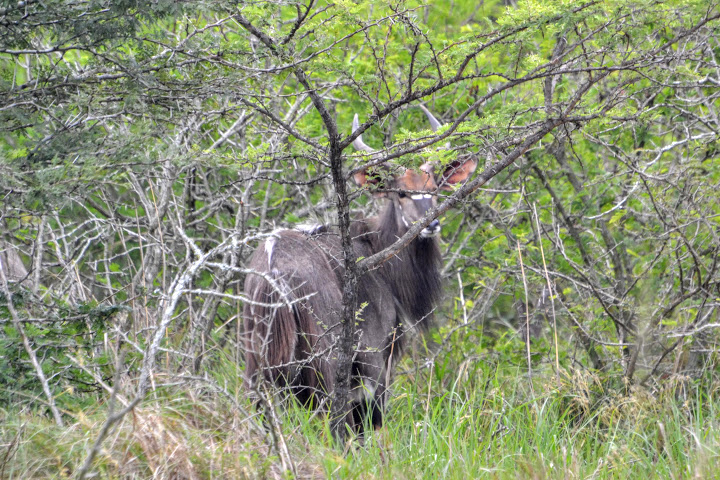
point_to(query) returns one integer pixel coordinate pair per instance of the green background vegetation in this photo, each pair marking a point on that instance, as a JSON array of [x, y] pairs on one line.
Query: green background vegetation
[[146, 149]]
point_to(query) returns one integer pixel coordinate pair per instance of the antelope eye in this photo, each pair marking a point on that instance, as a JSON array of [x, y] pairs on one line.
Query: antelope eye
[[402, 194]]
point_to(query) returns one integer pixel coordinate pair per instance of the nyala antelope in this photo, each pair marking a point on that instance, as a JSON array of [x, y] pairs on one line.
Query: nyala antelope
[[293, 316]]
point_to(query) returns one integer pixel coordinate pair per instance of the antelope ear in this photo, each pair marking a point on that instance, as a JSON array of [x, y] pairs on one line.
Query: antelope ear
[[375, 176], [361, 178], [457, 172]]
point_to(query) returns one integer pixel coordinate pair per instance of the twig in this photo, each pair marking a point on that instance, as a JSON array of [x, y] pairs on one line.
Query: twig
[[109, 421], [527, 319], [28, 348], [552, 298]]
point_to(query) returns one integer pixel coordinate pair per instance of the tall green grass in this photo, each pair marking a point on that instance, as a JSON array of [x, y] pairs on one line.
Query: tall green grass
[[479, 420]]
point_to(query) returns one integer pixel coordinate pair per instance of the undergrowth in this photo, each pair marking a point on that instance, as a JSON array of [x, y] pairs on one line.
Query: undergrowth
[[479, 420]]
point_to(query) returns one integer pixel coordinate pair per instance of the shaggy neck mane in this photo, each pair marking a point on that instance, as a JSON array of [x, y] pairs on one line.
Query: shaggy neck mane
[[413, 274]]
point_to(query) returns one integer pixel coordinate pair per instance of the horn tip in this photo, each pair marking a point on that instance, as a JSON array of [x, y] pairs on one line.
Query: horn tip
[[434, 122]]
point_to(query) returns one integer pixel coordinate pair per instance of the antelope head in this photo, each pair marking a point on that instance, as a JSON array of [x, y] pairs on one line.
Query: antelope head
[[413, 192]]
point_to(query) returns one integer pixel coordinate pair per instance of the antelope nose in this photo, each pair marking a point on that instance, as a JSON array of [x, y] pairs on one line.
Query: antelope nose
[[432, 230]]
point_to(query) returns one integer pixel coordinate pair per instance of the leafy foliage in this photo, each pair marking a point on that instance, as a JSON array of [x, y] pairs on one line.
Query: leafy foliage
[[147, 147]]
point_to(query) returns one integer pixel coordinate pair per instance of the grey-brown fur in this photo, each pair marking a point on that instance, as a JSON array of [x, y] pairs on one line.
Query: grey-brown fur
[[295, 295], [291, 346]]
